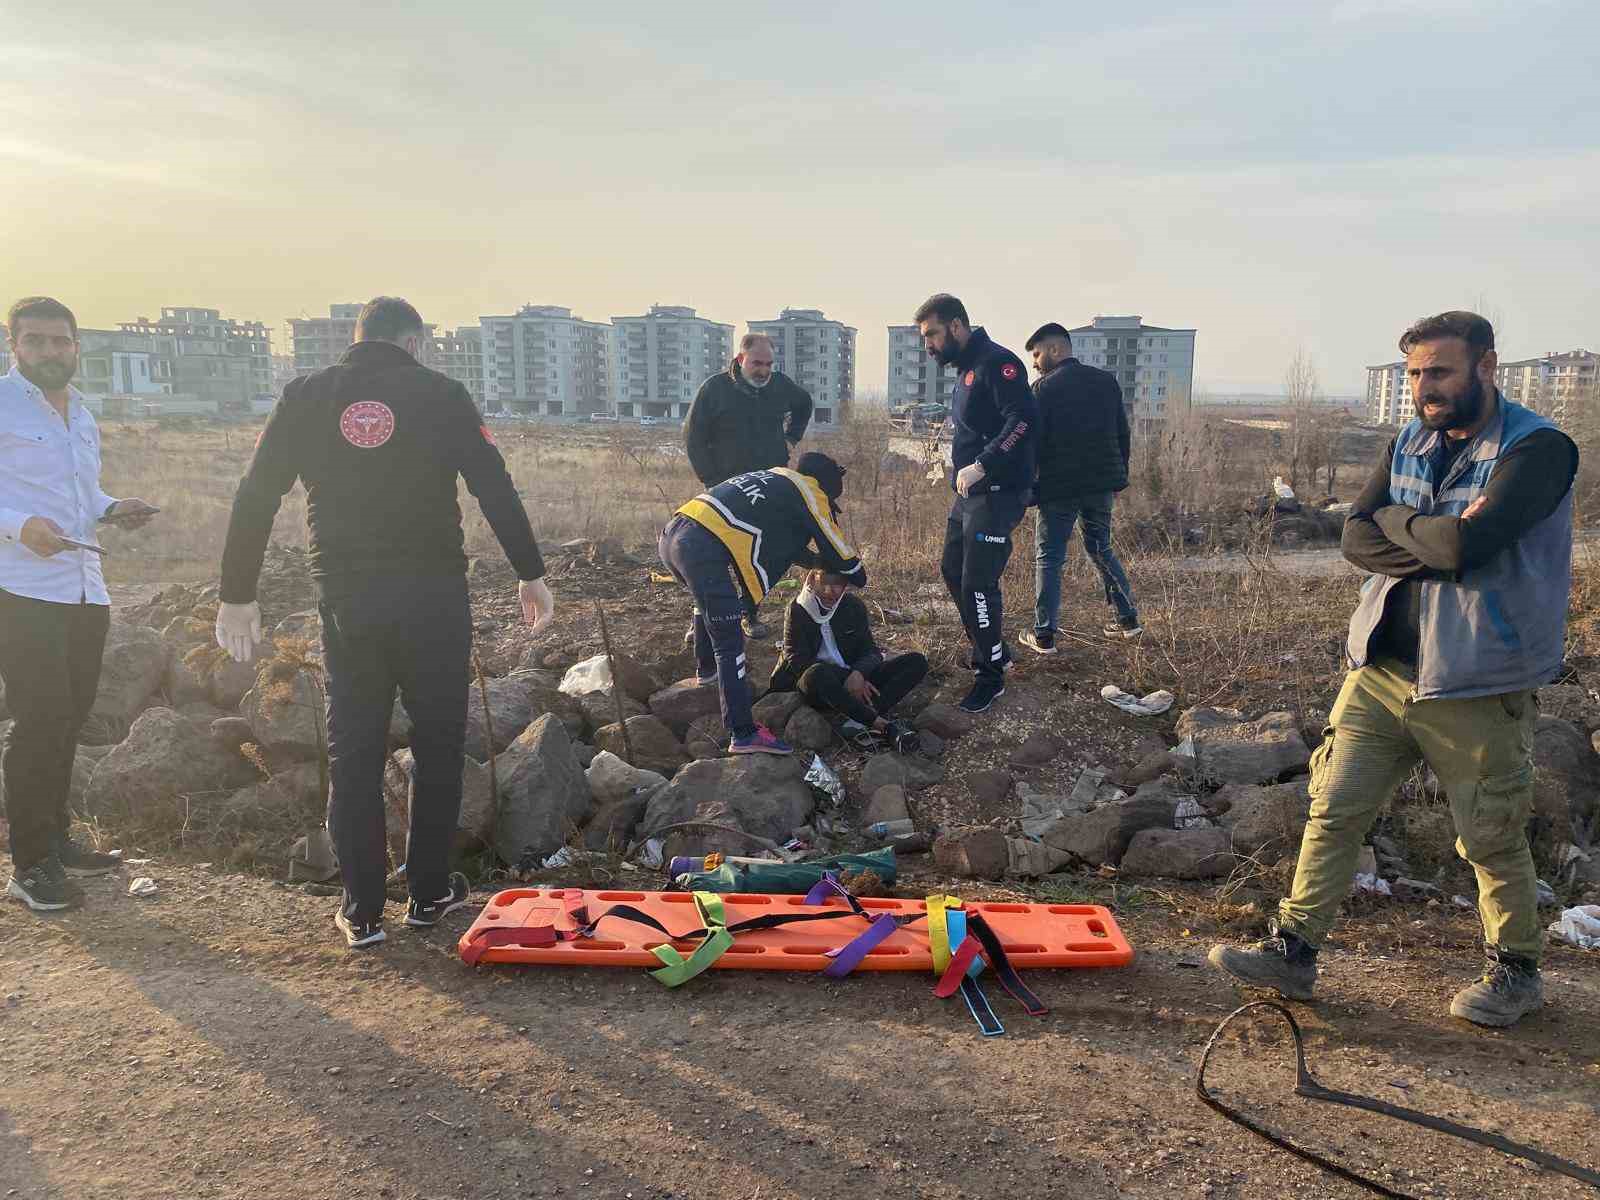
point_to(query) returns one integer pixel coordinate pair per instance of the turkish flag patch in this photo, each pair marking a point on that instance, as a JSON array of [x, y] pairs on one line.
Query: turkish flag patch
[[1009, 371], [487, 436], [971, 375]]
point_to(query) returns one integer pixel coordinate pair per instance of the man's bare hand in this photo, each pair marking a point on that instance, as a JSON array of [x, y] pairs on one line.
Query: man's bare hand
[[859, 686], [1475, 508], [538, 605], [968, 478], [43, 536]]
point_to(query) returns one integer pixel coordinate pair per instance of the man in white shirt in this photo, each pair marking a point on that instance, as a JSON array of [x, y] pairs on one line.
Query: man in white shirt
[[54, 609]]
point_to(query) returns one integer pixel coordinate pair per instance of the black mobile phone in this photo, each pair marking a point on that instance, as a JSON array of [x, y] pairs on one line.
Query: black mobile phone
[[118, 518]]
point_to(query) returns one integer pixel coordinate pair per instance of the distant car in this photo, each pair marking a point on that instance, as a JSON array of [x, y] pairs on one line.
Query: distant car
[[601, 417], [649, 420]]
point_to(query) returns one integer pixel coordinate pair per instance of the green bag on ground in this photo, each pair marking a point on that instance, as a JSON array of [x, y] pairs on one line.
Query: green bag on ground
[[784, 878]]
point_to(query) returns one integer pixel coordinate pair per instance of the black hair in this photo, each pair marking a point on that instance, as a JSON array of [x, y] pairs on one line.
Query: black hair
[[42, 307], [1468, 326], [942, 307], [386, 319]]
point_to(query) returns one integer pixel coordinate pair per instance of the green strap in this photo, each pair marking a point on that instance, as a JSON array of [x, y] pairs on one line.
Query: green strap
[[678, 970]]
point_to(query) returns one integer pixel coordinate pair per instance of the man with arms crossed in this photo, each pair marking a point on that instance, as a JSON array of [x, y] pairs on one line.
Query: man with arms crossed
[[1466, 526]]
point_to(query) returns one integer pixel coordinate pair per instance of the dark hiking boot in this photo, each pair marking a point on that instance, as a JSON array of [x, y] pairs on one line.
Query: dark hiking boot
[[1509, 990], [44, 886], [1282, 961]]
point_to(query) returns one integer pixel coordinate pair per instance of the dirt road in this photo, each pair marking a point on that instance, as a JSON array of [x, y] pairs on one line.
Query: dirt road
[[217, 1041]]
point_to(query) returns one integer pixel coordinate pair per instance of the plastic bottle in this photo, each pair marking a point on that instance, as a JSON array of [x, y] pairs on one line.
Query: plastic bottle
[[892, 829]]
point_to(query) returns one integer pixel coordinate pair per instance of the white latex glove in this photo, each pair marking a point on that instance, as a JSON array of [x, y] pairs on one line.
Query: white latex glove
[[239, 629], [969, 477], [538, 605]]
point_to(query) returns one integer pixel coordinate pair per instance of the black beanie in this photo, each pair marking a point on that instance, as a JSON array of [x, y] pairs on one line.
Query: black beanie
[[829, 474]]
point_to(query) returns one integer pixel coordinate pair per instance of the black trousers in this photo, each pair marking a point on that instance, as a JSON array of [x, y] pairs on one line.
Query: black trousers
[[822, 684], [977, 546], [50, 660], [415, 634]]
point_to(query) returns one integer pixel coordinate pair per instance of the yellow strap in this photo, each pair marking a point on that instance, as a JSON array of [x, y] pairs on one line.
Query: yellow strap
[[939, 930]]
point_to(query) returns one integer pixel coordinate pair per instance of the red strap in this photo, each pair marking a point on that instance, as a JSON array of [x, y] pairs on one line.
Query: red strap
[[950, 982], [528, 935]]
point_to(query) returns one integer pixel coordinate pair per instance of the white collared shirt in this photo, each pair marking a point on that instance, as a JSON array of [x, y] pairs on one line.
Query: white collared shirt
[[49, 468]]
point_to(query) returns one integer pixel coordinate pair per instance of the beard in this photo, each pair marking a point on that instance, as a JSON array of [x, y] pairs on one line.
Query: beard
[[1461, 413], [47, 376], [947, 354]]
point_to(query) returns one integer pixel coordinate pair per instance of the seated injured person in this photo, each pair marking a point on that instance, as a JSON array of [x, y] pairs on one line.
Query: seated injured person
[[830, 658]]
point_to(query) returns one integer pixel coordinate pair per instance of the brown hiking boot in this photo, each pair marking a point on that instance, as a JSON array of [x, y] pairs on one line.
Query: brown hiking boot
[[1509, 990], [1282, 961]]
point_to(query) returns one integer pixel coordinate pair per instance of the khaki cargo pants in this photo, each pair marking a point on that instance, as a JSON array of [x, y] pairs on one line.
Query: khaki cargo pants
[[1481, 750]]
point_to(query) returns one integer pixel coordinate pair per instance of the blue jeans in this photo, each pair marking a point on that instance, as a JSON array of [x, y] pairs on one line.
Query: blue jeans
[[702, 564], [1051, 533]]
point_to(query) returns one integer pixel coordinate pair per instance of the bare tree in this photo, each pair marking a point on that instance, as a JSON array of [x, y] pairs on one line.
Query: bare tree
[[1300, 389]]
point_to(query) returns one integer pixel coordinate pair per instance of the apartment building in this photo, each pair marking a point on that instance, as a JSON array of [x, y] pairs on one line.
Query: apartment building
[[1153, 363], [1389, 394], [458, 353], [112, 362], [543, 361], [319, 342], [214, 359], [661, 358], [1561, 386], [914, 378], [819, 355]]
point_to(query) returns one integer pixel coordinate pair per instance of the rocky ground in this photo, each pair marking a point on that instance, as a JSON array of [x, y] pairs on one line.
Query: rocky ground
[[238, 1049]]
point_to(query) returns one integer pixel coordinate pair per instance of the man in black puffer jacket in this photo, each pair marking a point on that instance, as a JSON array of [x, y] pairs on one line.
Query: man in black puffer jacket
[[748, 418], [1083, 464]]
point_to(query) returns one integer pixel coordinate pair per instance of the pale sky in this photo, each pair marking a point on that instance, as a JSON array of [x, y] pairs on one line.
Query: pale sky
[[1275, 174]]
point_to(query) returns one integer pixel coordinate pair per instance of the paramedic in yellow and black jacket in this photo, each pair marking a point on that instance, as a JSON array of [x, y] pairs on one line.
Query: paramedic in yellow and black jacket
[[732, 544]]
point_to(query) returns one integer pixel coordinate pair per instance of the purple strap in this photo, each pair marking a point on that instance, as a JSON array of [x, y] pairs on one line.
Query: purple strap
[[848, 957]]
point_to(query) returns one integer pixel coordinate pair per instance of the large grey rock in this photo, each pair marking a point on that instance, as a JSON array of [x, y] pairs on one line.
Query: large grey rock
[[232, 732], [228, 681], [475, 826], [911, 771], [600, 708], [1179, 854], [510, 711], [991, 786], [544, 795], [1102, 834], [131, 672], [186, 684], [613, 824], [976, 853], [84, 762], [1195, 722], [638, 681], [293, 795], [654, 746], [808, 730], [1037, 750], [286, 718], [610, 778], [1265, 750], [144, 779], [946, 720], [1266, 823], [762, 794], [888, 803], [775, 708], [1566, 779], [680, 704]]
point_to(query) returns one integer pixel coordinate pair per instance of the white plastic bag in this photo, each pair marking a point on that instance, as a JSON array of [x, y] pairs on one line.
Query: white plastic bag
[[591, 675], [1579, 927], [1283, 490]]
